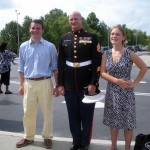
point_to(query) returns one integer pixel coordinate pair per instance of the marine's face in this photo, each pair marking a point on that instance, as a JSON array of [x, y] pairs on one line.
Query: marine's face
[[75, 21]]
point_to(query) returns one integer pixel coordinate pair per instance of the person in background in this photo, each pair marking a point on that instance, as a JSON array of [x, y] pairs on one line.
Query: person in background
[[6, 57], [37, 64], [116, 67], [78, 69]]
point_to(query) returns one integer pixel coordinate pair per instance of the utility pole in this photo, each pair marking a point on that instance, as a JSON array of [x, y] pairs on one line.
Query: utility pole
[[17, 31]]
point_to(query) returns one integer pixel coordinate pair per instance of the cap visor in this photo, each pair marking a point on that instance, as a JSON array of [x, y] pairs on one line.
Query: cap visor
[[93, 99]]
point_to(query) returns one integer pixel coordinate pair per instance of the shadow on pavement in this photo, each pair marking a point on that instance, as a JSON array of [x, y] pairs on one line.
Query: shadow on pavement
[[11, 126]]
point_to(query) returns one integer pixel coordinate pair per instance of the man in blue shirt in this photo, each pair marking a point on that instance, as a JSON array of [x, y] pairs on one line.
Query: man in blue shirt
[[37, 64]]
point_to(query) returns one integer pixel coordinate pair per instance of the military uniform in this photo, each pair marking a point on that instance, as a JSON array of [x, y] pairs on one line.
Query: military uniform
[[78, 66]]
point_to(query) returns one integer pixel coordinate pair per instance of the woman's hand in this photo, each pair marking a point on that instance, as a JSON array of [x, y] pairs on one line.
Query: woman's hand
[[125, 83]]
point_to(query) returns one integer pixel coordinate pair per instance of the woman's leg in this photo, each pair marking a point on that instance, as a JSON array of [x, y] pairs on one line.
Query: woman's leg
[[1, 85], [114, 135], [7, 88], [128, 138], [6, 81]]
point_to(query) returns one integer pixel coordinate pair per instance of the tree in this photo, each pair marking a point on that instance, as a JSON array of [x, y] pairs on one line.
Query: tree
[[9, 34], [25, 28], [56, 24], [100, 28], [148, 43], [92, 21]]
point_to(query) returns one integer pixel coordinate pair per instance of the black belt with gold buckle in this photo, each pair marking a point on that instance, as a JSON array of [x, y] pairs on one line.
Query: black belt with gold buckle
[[38, 79]]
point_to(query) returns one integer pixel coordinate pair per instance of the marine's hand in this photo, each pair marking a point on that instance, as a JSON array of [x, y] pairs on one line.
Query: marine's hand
[[61, 90], [91, 89]]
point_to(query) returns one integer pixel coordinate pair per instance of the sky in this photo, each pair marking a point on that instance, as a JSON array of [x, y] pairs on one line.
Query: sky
[[133, 13]]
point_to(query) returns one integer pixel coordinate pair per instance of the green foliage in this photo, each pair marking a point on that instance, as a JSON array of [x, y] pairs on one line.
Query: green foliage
[[9, 34], [100, 28], [25, 28], [56, 23], [148, 41]]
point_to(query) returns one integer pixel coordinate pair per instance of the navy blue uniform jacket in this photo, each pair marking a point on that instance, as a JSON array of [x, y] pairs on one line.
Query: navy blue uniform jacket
[[78, 47]]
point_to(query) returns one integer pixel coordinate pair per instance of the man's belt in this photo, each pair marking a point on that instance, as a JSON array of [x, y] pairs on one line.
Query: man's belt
[[38, 79], [78, 64]]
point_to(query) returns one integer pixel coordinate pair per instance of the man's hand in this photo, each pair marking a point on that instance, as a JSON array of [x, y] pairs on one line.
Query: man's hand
[[55, 91], [21, 90]]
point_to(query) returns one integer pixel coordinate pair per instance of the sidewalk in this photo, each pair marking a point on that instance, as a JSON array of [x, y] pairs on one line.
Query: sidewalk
[[9, 139]]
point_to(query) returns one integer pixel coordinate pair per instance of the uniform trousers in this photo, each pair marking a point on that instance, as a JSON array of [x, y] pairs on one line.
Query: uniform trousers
[[38, 93], [80, 117]]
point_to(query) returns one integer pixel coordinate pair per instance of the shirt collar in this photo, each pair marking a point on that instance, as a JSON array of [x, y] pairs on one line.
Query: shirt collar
[[77, 32], [40, 41]]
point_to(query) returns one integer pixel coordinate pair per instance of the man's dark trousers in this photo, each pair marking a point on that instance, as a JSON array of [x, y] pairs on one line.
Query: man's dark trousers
[[80, 117]]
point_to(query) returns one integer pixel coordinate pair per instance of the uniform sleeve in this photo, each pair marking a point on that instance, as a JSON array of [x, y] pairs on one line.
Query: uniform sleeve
[[96, 61], [61, 64]]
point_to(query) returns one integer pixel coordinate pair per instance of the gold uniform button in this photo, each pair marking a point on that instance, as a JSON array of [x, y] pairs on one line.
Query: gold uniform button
[[75, 35], [75, 46], [75, 56], [75, 51]]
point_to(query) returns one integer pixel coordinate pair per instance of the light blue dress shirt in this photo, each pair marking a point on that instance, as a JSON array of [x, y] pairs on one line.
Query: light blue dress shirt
[[37, 60]]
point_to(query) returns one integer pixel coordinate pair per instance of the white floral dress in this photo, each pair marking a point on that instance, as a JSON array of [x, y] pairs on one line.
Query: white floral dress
[[119, 110]]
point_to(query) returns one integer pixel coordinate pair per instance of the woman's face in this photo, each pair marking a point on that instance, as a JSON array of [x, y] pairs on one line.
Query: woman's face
[[116, 37]]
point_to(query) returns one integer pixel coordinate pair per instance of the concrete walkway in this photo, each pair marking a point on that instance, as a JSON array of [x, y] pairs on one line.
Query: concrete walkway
[[8, 142], [8, 139]]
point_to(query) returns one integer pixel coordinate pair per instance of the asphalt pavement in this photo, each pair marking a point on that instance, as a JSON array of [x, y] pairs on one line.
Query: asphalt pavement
[[8, 139]]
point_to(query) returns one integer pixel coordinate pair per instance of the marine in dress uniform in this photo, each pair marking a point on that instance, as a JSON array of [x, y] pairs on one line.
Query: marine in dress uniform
[[79, 66]]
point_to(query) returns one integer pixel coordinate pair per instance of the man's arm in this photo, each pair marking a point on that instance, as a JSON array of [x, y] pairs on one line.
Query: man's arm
[[21, 80]]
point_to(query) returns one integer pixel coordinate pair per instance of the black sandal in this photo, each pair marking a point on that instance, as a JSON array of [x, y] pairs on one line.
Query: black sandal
[[8, 92], [1, 92]]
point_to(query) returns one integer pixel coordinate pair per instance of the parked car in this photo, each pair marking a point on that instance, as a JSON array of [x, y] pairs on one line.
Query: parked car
[[131, 48], [103, 49], [137, 48]]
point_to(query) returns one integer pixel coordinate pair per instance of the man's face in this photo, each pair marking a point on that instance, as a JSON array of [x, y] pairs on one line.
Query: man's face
[[75, 21], [36, 30]]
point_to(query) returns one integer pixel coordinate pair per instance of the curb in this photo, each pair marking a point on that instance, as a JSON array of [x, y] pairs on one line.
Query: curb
[[64, 139]]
